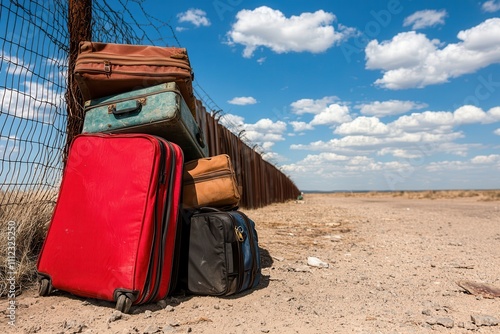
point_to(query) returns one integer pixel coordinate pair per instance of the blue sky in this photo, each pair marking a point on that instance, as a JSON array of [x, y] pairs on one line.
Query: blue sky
[[358, 95], [354, 95]]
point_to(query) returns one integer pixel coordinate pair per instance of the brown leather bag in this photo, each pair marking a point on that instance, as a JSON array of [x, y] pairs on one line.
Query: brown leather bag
[[210, 182], [105, 69]]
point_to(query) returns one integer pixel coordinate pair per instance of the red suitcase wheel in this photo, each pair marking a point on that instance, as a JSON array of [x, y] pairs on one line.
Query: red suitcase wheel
[[45, 287], [123, 304]]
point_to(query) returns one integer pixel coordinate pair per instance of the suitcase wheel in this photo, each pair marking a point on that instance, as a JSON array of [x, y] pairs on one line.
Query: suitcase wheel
[[45, 287], [123, 303]]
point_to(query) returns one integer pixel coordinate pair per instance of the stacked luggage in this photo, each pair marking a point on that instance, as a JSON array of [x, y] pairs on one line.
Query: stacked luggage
[[141, 202], [220, 243]]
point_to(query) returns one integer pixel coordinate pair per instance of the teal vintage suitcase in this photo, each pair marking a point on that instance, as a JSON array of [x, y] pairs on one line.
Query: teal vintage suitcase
[[158, 110]]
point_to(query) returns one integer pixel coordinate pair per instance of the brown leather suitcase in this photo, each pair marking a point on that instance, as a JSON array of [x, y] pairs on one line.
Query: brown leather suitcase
[[104, 69], [210, 182]]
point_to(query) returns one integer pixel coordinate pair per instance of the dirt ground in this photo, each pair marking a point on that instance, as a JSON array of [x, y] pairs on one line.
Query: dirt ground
[[393, 266]]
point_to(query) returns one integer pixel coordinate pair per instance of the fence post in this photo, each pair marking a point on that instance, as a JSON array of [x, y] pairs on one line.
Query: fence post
[[80, 29]]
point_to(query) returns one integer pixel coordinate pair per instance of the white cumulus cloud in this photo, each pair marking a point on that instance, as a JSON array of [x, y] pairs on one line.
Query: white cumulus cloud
[[333, 114], [389, 108], [301, 126], [267, 125], [233, 119], [265, 132], [486, 159], [270, 28], [425, 18], [424, 121], [469, 115], [324, 157], [445, 120], [344, 144], [363, 126], [310, 106], [400, 153], [413, 136], [242, 101], [411, 60], [38, 102], [494, 113], [405, 50], [194, 16], [491, 6]]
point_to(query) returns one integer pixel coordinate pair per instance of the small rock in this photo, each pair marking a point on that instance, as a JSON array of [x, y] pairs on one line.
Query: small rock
[[336, 238], [445, 322], [315, 262], [148, 314], [68, 323], [174, 324], [217, 307], [116, 315], [132, 330], [484, 320], [34, 329], [73, 326], [169, 308], [151, 329], [427, 312], [470, 326], [427, 325]]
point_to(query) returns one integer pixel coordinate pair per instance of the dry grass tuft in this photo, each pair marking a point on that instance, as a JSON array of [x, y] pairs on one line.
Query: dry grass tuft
[[31, 217], [491, 196]]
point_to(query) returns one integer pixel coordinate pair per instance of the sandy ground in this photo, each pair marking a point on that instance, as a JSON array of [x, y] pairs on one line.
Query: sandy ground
[[393, 267]]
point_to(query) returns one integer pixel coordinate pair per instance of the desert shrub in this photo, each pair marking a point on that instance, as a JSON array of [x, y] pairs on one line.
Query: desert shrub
[[493, 195], [30, 217]]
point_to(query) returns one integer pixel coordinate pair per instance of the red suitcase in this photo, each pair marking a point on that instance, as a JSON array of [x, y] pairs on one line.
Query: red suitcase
[[114, 228]]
